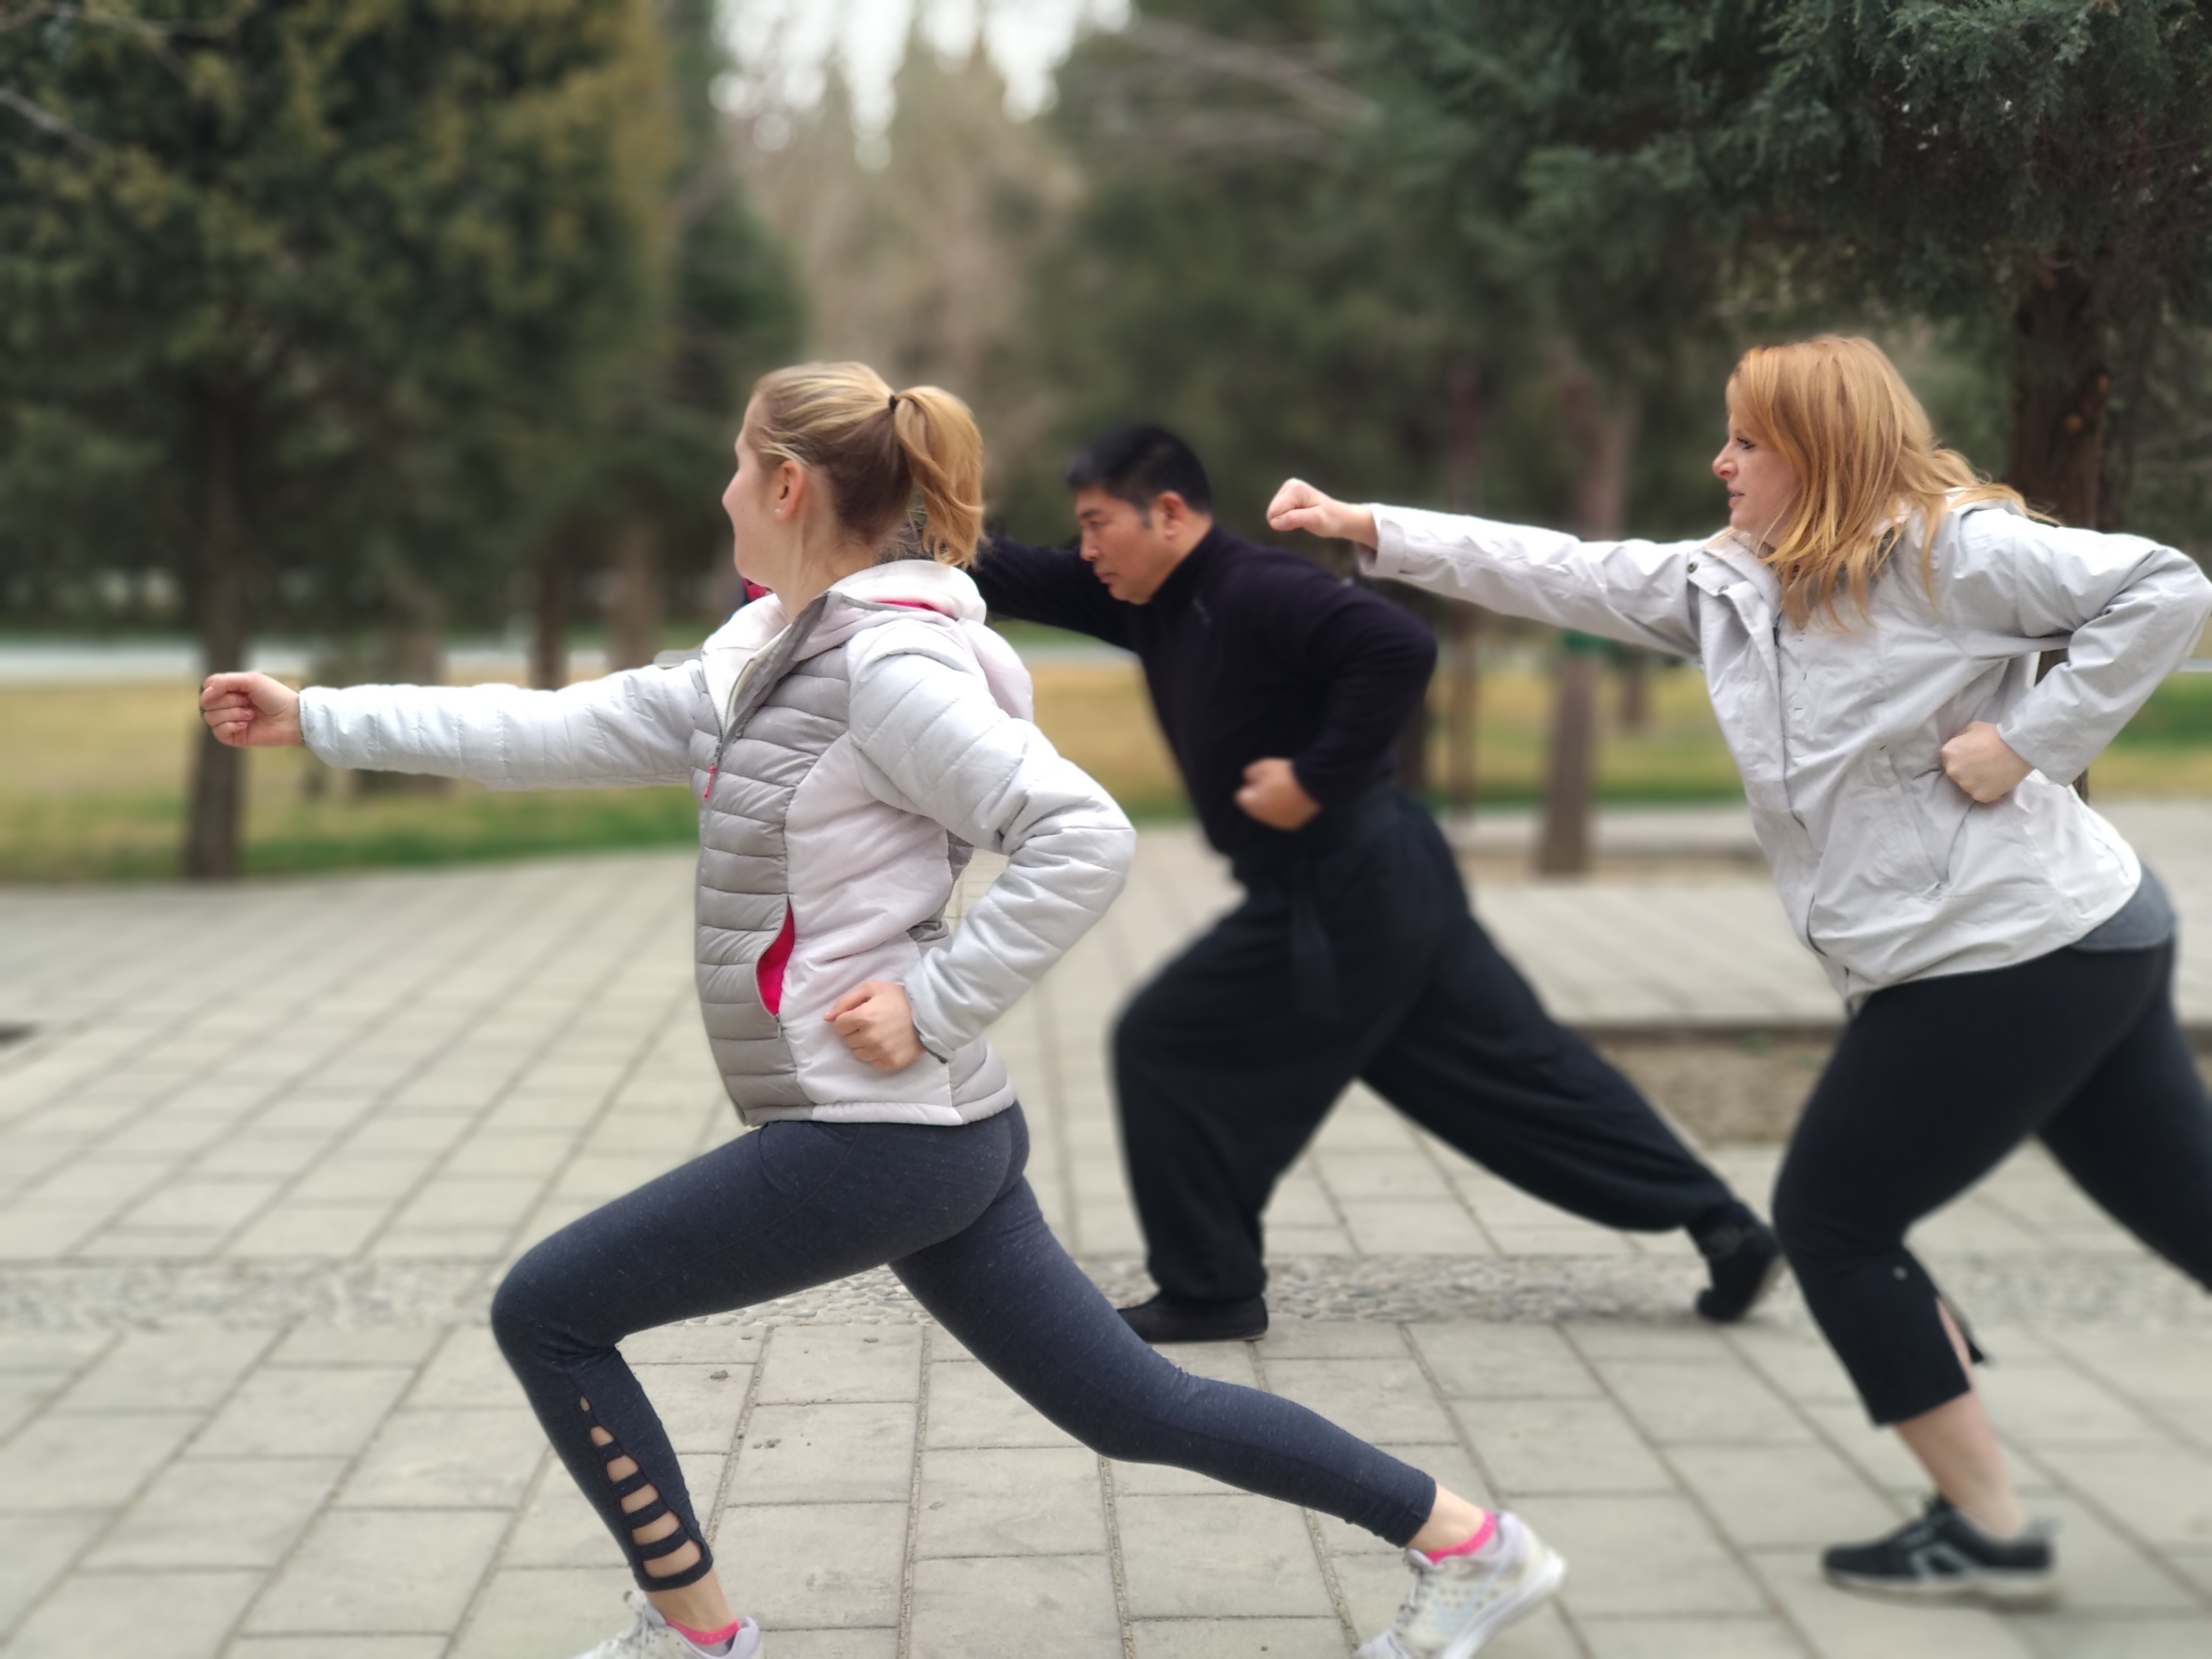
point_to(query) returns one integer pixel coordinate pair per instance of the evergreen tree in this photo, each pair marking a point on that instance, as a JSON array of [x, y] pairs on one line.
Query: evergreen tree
[[312, 294]]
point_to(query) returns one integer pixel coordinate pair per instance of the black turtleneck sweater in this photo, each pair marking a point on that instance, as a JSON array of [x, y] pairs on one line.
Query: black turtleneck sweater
[[1249, 652]]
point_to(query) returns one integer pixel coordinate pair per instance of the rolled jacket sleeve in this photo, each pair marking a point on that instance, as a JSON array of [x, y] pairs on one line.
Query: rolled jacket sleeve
[[1637, 592], [932, 741]]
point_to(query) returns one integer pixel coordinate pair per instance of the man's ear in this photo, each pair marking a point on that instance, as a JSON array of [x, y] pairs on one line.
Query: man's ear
[[1172, 510]]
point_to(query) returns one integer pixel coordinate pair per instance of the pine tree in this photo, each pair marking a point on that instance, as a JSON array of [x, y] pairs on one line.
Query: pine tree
[[322, 283]]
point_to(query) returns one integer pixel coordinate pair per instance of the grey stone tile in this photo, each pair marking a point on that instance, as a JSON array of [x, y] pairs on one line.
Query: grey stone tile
[[2057, 1404], [1257, 1561], [2166, 1494], [97, 1460], [1373, 1399], [34, 1550], [1034, 1500], [50, 1351], [112, 1612], [1238, 1639], [1765, 1496], [815, 1565], [680, 1345], [1013, 1607], [1560, 1446], [220, 1512], [373, 1345], [447, 1459], [1727, 1403], [1641, 1555], [373, 1571], [698, 1404], [167, 1370], [835, 1643], [467, 1372], [535, 1614], [24, 1395], [1331, 1338], [303, 1412], [843, 1363], [336, 1647], [2071, 1636], [1504, 1362], [312, 1230], [1877, 1453], [855, 1454], [1753, 1636], [1842, 1625], [968, 1407], [1797, 1364]]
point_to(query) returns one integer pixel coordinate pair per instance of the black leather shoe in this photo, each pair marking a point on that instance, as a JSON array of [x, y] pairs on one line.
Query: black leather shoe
[[1743, 1257], [1177, 1319]]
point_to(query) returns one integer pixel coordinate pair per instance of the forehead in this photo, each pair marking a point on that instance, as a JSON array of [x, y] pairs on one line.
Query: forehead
[[1093, 500]]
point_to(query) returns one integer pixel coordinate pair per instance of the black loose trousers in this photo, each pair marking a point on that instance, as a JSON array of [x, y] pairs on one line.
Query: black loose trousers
[[1360, 960]]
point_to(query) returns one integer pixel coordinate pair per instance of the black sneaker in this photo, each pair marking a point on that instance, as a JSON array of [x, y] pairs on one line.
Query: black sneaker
[[1744, 1258], [1944, 1557], [1177, 1319]]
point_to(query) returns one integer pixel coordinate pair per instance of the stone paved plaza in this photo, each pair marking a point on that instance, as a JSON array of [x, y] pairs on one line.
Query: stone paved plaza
[[263, 1152]]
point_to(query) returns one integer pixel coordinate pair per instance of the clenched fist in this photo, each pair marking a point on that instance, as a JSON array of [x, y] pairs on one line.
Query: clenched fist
[[877, 1022], [1299, 505], [1983, 763], [250, 711], [1273, 794]]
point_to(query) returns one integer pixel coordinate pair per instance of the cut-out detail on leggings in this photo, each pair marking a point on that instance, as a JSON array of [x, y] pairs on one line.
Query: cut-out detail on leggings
[[627, 1477]]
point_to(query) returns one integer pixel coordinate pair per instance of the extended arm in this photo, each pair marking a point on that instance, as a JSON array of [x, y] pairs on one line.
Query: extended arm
[[931, 741], [1637, 592], [1048, 585], [2128, 609], [631, 728]]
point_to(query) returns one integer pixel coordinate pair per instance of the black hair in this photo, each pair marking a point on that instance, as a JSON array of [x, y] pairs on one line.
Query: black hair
[[1140, 464]]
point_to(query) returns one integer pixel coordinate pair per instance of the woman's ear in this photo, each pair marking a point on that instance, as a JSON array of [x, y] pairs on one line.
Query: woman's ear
[[790, 487]]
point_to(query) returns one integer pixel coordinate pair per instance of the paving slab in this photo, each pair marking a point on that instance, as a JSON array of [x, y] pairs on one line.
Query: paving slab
[[246, 1389]]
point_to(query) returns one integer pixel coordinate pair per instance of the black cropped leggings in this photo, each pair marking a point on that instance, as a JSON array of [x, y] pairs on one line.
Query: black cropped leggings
[[1931, 1086], [797, 1204]]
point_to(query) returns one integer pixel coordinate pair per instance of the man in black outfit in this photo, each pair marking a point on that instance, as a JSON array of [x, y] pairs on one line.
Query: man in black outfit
[[1282, 691]]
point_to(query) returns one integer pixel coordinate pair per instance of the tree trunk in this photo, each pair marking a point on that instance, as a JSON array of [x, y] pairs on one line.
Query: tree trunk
[[634, 615], [1464, 407], [1565, 847], [412, 651], [1635, 689], [1602, 421], [2062, 386], [215, 812], [552, 580]]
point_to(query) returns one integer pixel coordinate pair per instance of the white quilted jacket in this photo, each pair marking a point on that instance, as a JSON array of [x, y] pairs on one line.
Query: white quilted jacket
[[846, 760]]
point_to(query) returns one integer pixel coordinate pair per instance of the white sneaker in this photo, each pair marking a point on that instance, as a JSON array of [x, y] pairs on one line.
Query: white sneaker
[[650, 1638], [1457, 1604]]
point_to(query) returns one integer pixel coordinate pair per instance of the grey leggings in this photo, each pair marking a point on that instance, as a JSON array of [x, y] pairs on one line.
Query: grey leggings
[[797, 1204]]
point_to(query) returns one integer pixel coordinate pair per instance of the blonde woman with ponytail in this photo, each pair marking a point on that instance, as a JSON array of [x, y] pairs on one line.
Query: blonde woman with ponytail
[[850, 735], [1868, 624]]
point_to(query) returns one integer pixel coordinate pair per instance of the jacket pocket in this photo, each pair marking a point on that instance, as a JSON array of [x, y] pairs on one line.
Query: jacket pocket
[[1933, 811], [767, 973]]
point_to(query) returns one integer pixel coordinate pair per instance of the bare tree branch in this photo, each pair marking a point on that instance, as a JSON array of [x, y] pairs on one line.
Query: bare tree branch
[[47, 122]]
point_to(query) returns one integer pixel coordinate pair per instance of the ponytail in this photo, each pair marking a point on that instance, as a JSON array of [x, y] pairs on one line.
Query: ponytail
[[877, 449], [945, 457]]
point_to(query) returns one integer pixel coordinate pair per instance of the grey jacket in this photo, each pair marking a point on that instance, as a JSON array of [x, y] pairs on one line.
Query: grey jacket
[[1888, 870], [846, 760]]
